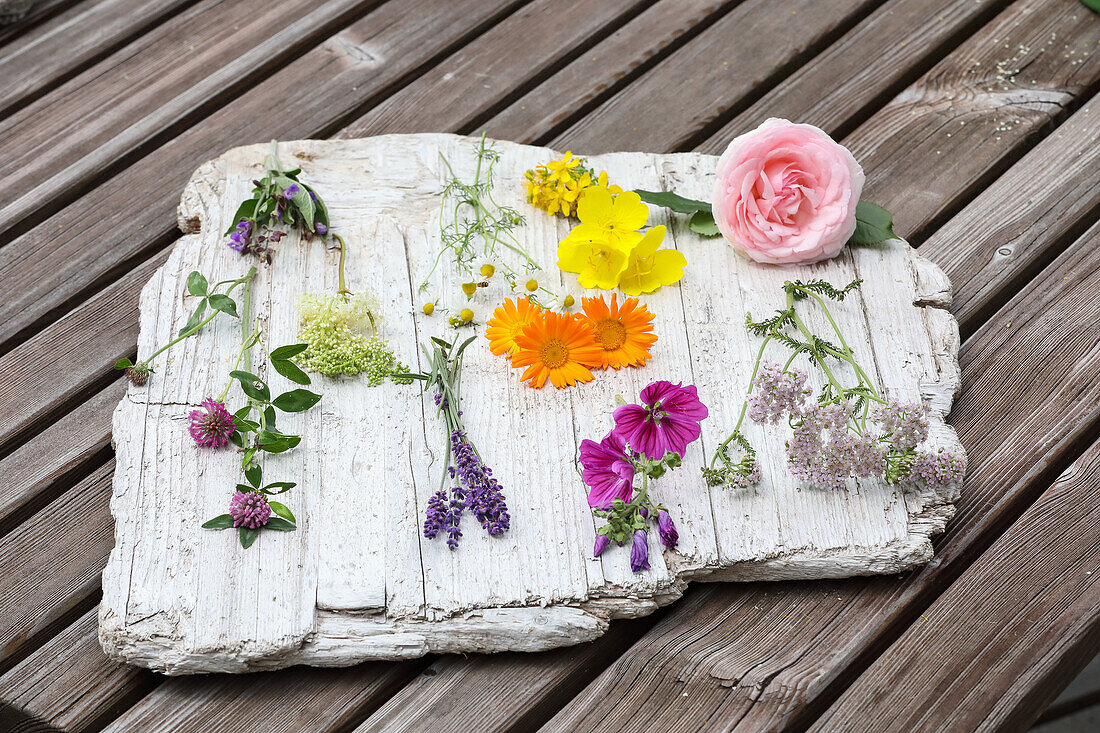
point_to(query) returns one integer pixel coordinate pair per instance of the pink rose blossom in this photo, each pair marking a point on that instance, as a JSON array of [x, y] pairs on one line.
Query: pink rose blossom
[[786, 194]]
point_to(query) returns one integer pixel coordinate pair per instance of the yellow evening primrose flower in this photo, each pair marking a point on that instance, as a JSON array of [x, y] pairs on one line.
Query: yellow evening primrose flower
[[650, 268], [611, 218]]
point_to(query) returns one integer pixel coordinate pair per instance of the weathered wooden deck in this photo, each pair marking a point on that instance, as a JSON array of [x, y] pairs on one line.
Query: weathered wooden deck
[[977, 124]]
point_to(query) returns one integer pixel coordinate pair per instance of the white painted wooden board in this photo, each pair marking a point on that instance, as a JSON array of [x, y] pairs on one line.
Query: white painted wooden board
[[358, 581]]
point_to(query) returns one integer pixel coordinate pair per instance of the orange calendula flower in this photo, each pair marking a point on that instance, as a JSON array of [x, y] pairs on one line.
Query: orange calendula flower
[[556, 347], [624, 332], [508, 320]]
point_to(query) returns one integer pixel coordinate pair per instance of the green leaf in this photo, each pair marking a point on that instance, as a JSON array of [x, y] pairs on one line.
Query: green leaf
[[280, 525], [222, 521], [321, 214], [224, 303], [407, 375], [248, 536], [252, 385], [702, 222], [282, 511], [673, 201], [246, 210], [196, 283], [277, 442], [1092, 4], [269, 417], [193, 321], [290, 370], [282, 486], [123, 363], [293, 174], [244, 487], [254, 474], [265, 209], [296, 400], [300, 200], [289, 351], [242, 414], [874, 225], [245, 426], [237, 439]]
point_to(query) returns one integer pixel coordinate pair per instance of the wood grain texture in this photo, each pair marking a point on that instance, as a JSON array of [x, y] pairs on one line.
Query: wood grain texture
[[39, 13], [47, 53], [537, 587], [56, 146], [42, 586], [1022, 621], [760, 658], [710, 76], [68, 685], [101, 235]]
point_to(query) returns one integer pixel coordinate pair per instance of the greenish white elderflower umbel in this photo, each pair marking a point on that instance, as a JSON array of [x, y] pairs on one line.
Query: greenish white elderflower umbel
[[342, 334]]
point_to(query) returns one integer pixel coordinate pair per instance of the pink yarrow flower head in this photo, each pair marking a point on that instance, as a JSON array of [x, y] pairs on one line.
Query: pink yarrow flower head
[[667, 421], [606, 470], [249, 509], [211, 425]]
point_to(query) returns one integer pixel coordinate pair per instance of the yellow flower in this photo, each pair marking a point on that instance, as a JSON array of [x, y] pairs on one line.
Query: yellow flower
[[650, 268], [598, 249], [601, 181], [562, 170]]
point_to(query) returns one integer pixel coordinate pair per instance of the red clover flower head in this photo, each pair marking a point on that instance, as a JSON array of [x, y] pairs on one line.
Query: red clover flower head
[[212, 426], [249, 509]]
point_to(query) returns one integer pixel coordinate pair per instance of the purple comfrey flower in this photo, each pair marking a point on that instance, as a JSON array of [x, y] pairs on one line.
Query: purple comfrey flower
[[667, 530], [606, 470], [776, 392], [602, 542], [937, 470], [320, 228], [668, 421], [241, 237], [249, 509], [906, 425], [211, 427], [639, 552], [289, 191]]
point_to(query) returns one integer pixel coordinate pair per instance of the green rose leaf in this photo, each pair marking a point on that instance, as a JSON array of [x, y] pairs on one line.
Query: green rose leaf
[[193, 321], [702, 222], [289, 351], [248, 536], [296, 400], [282, 511], [874, 225], [196, 283], [673, 201], [290, 370], [252, 385], [254, 474], [224, 303], [222, 521], [123, 363], [245, 211], [280, 525]]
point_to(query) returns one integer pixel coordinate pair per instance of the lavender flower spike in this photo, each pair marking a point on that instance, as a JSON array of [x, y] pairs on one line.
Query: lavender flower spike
[[639, 552], [667, 530]]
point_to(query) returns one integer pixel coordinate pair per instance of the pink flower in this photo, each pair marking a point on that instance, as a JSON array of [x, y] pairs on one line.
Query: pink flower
[[211, 427], [668, 421], [786, 194], [607, 471], [249, 510]]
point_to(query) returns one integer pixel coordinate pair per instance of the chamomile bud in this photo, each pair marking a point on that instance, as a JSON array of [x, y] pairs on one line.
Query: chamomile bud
[[469, 288], [466, 315], [532, 285], [568, 302], [429, 308], [487, 270]]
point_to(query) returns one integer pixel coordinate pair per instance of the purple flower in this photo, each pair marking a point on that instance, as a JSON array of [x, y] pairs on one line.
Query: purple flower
[[905, 424], [241, 237], [320, 228], [475, 489], [639, 552], [249, 509], [606, 470], [601, 544], [435, 515], [776, 392], [290, 190], [211, 427], [668, 421], [937, 469], [667, 530]]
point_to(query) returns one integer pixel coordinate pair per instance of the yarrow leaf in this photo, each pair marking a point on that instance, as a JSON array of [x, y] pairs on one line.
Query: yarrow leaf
[[874, 225]]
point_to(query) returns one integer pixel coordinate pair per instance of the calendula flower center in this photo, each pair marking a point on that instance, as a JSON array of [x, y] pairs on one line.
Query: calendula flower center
[[554, 353], [610, 333]]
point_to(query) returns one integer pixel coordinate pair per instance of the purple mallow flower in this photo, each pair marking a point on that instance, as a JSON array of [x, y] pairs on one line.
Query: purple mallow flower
[[776, 392], [639, 552], [606, 470], [667, 421], [211, 427], [667, 530], [602, 542], [249, 509]]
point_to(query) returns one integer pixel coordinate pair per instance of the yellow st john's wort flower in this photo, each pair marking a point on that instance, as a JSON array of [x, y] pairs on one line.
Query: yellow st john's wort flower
[[650, 268], [598, 249]]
